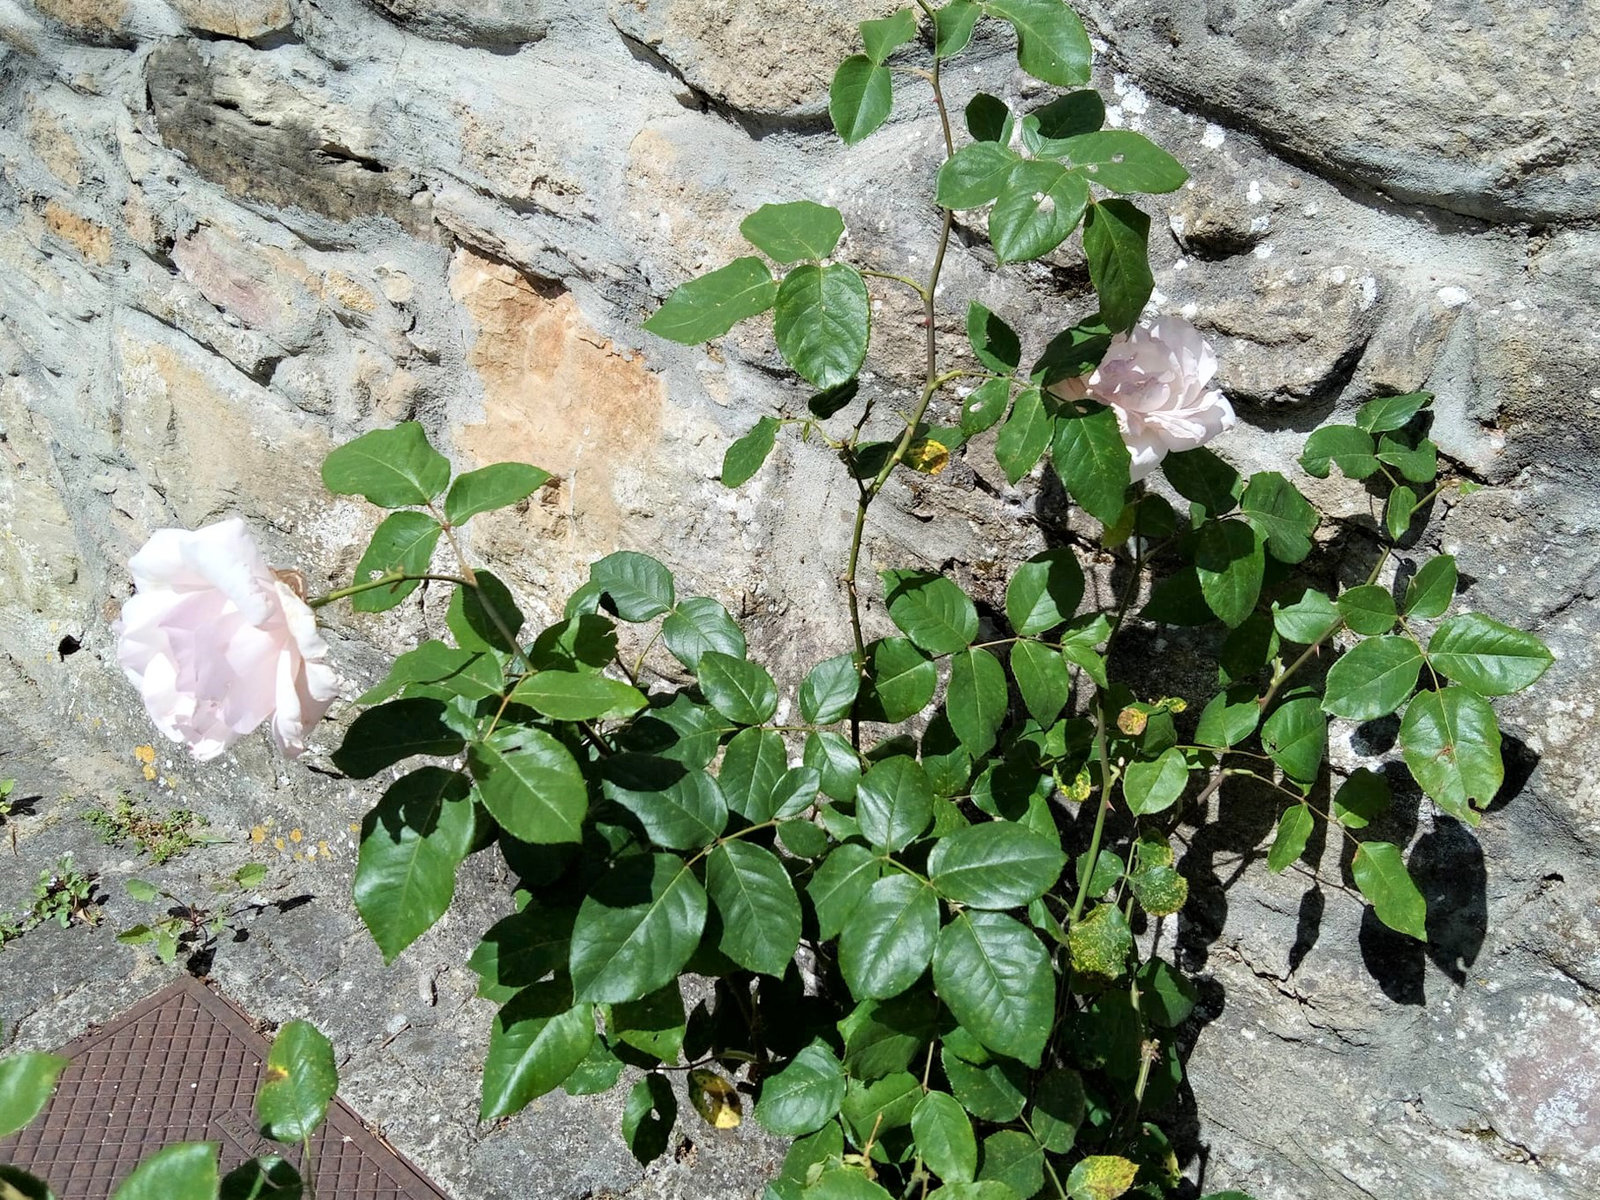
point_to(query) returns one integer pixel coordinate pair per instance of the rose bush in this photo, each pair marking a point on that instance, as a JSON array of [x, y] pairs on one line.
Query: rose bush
[[217, 642], [1158, 381]]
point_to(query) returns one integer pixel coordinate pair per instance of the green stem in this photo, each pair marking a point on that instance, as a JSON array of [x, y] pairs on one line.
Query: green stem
[[388, 580], [1100, 817]]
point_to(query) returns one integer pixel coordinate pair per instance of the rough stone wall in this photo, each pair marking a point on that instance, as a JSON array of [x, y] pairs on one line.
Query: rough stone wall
[[234, 232]]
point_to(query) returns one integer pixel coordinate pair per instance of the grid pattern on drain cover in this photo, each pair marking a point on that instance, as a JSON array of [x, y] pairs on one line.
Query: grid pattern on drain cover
[[183, 1065]]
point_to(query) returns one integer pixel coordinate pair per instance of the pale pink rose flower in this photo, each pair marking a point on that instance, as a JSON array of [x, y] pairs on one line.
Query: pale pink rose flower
[[1157, 380], [216, 643]]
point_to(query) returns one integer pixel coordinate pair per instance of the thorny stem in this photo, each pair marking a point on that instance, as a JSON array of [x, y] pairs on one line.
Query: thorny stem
[[932, 382]]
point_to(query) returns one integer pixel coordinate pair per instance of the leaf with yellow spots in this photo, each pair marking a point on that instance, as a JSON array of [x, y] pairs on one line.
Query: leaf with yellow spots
[[714, 1099], [928, 456], [1101, 1177]]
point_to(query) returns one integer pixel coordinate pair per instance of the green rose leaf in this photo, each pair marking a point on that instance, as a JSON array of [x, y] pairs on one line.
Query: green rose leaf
[[1230, 562], [1200, 476], [1296, 735], [390, 733], [1399, 511], [537, 1041], [995, 865], [1167, 996], [411, 844], [805, 1095], [1116, 238], [952, 27], [900, 681], [1123, 161], [860, 97], [995, 343], [583, 642], [393, 468], [932, 611], [1490, 658], [636, 928], [894, 802], [1294, 828], [984, 406], [744, 458], [887, 941], [1373, 679], [1014, 1160], [975, 175], [992, 1092], [1044, 592], [1391, 412], [1280, 514], [1039, 205], [836, 763], [1153, 787], [577, 696], [530, 784], [1308, 620], [522, 949], [1043, 679], [740, 690], [1092, 460], [1419, 463], [822, 322], [1361, 799], [795, 231], [639, 586], [680, 808], [1381, 874], [700, 624], [485, 617], [944, 1137], [751, 766], [1229, 718], [882, 1106], [976, 703], [1052, 44], [404, 542], [760, 912], [1350, 449], [840, 884], [1431, 590], [1024, 437], [1451, 743], [882, 38], [988, 119], [993, 974], [498, 485], [829, 691], [648, 1116], [1368, 609], [300, 1081], [709, 306], [187, 1171], [26, 1082]]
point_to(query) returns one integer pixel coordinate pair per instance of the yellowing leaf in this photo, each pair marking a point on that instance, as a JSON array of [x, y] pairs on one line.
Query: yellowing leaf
[[1101, 1177], [714, 1099], [928, 456]]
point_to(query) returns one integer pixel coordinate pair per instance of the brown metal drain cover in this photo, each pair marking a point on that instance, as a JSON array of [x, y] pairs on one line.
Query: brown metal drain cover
[[183, 1066]]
